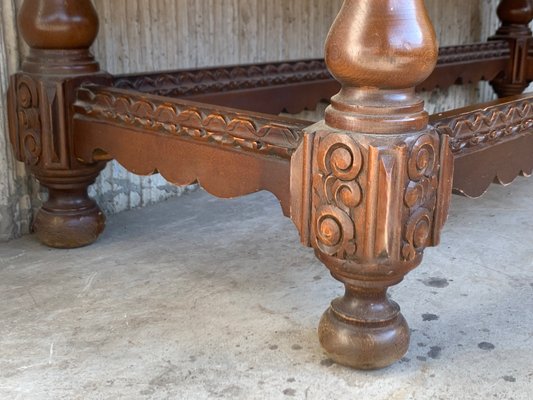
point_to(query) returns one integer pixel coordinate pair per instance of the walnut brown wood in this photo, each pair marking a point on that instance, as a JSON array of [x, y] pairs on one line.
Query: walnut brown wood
[[380, 177], [368, 187], [59, 33]]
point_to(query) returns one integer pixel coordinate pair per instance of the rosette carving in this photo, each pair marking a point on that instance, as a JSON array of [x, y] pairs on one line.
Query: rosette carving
[[337, 193]]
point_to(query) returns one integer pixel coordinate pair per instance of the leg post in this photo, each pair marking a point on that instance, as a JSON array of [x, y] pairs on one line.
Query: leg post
[[371, 183], [59, 34], [515, 17]]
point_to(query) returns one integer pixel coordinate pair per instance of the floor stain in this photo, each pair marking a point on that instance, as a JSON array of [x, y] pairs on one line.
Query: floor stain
[[509, 378], [486, 346], [434, 352], [168, 376], [328, 362], [296, 347], [147, 392], [430, 317], [289, 392], [230, 392], [273, 347], [438, 283]]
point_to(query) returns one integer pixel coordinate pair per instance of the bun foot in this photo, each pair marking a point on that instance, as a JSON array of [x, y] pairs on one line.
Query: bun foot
[[364, 342]]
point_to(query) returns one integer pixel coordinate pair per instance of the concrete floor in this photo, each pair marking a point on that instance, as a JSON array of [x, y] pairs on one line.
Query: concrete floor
[[199, 298]]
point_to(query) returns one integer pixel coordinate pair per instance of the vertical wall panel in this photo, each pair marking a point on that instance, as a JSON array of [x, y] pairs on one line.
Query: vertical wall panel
[[147, 35]]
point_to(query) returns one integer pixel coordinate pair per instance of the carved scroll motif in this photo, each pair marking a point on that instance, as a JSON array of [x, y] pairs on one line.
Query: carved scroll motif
[[337, 193], [421, 195], [232, 129], [371, 201], [28, 120]]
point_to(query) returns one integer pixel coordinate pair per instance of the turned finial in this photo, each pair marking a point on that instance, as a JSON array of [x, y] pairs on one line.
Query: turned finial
[[515, 16], [58, 24], [59, 33], [515, 12], [379, 51]]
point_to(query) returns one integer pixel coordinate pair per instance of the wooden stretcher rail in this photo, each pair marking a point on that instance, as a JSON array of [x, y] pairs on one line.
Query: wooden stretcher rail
[[121, 124], [230, 152], [490, 142], [298, 85]]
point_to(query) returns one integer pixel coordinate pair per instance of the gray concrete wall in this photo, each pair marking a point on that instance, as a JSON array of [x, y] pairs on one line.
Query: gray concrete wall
[[145, 35]]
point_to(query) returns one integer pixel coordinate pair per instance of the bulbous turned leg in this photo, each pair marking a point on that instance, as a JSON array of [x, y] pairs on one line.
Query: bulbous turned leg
[[515, 17], [59, 35], [371, 183], [364, 329], [69, 218]]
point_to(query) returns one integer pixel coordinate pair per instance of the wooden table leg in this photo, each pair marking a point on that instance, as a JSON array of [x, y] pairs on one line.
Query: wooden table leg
[[515, 16], [59, 34], [371, 184]]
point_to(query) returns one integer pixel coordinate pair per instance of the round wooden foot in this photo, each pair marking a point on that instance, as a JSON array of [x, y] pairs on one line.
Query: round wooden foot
[[69, 228], [364, 330], [69, 219]]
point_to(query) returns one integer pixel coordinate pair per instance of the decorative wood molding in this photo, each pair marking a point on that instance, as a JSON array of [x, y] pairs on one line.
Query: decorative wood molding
[[491, 142], [256, 133], [215, 80], [223, 79], [470, 129], [473, 52]]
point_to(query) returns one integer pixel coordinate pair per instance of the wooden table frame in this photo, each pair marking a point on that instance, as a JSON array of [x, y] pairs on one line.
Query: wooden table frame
[[368, 187]]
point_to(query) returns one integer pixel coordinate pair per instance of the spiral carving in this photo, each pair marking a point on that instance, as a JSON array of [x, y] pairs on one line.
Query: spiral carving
[[417, 233], [340, 155], [340, 162], [335, 231], [423, 159], [420, 195], [29, 120]]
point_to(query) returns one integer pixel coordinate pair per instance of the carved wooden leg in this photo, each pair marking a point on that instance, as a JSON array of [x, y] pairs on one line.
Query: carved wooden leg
[[371, 184], [59, 34], [515, 16]]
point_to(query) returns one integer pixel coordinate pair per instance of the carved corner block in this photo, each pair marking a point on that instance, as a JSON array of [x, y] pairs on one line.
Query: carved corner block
[[37, 134], [39, 117], [367, 199]]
